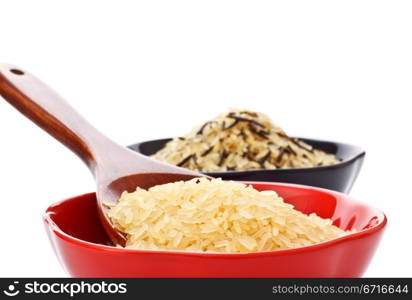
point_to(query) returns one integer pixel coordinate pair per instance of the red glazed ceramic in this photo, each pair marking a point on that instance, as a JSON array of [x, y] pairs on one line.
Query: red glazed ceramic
[[84, 250]]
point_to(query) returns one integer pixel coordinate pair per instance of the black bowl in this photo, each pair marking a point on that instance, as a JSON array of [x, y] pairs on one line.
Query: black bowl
[[339, 177]]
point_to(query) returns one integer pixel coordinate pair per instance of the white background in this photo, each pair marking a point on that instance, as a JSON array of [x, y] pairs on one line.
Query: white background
[[138, 70]]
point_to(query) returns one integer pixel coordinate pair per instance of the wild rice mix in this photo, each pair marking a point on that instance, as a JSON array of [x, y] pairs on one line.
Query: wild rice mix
[[203, 215], [241, 140]]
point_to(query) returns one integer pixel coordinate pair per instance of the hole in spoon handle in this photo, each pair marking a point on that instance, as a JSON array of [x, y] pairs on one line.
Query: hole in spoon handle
[[17, 72]]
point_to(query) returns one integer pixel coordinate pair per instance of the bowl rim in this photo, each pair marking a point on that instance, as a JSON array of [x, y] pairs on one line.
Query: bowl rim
[[358, 153], [382, 221]]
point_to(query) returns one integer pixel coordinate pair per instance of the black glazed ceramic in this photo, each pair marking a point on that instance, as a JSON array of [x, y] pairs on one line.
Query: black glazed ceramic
[[339, 177]]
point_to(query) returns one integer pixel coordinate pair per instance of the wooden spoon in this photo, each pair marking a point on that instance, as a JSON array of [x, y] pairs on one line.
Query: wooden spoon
[[115, 168]]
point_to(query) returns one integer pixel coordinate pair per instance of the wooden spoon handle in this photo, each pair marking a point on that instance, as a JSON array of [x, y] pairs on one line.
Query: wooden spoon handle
[[48, 110], [106, 159]]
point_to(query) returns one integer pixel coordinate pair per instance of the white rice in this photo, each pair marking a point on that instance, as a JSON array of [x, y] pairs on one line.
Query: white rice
[[203, 215], [241, 140]]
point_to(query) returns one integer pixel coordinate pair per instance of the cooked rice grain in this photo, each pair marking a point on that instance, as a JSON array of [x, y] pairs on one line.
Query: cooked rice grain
[[203, 215]]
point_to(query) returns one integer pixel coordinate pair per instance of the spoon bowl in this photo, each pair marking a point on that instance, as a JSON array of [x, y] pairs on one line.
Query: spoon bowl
[[111, 192], [115, 168]]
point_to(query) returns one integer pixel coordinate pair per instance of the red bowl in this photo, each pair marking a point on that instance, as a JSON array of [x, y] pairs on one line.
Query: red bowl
[[84, 250]]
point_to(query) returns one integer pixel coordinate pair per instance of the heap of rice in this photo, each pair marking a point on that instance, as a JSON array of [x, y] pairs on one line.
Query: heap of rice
[[241, 140], [203, 215]]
